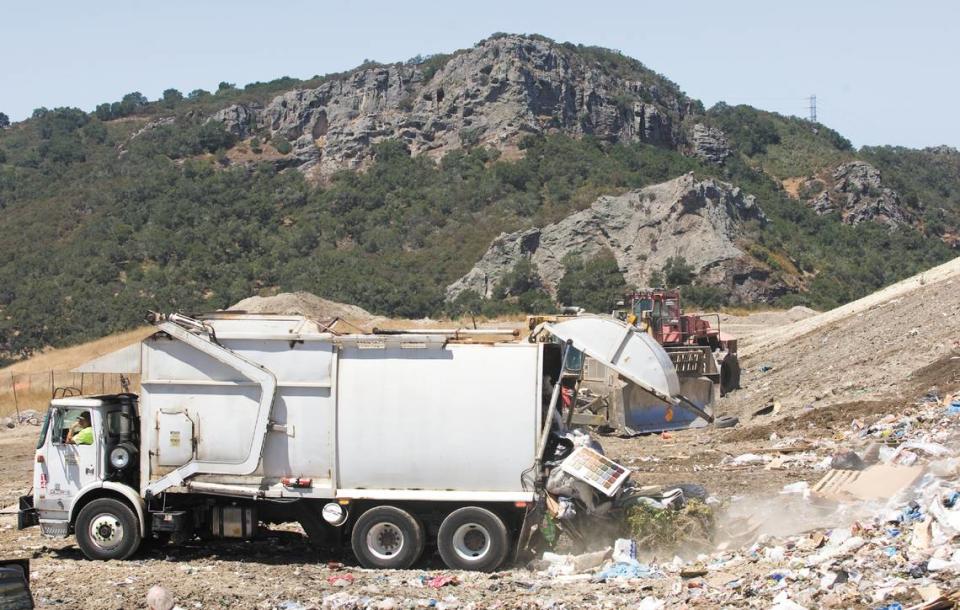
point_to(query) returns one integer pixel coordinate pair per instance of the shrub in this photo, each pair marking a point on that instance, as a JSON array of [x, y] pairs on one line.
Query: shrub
[[595, 284], [282, 145]]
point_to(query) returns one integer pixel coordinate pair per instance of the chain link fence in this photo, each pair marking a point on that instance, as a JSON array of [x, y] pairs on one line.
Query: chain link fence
[[21, 392]]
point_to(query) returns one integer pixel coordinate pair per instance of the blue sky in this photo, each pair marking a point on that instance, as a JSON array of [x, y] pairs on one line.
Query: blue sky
[[884, 72]]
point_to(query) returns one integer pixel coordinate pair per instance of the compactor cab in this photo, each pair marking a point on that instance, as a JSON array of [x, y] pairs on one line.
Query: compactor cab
[[659, 312], [87, 449]]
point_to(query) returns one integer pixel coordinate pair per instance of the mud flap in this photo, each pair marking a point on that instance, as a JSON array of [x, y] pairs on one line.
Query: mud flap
[[27, 515]]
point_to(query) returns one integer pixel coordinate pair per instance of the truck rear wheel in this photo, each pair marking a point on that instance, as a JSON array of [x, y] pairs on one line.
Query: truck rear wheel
[[473, 538], [107, 529], [386, 537]]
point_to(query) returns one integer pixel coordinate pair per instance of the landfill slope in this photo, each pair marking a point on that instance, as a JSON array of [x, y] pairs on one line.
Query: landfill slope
[[870, 349]]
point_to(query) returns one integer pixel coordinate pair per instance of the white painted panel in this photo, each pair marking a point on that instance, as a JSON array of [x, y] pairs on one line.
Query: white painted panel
[[174, 438], [460, 418], [228, 323], [223, 416], [308, 361], [169, 359], [306, 447]]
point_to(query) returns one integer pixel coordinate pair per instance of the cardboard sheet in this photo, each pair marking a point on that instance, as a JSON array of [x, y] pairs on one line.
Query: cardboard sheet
[[878, 482]]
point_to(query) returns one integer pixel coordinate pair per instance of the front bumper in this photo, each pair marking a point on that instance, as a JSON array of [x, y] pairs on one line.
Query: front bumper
[[27, 516]]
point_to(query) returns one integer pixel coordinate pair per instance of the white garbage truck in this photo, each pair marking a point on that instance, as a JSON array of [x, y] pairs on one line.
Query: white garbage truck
[[383, 443]]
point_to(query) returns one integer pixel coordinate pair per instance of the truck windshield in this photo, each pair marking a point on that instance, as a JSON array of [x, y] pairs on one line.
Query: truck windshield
[[43, 430], [641, 306]]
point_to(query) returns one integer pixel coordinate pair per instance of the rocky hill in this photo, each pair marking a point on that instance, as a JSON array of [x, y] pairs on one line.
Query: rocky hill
[[386, 185], [700, 221], [494, 94]]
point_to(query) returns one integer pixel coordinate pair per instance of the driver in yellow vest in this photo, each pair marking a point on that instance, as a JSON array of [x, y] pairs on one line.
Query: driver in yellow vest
[[81, 433]]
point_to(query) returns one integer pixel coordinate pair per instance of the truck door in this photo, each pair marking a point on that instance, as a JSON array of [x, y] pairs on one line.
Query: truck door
[[67, 467]]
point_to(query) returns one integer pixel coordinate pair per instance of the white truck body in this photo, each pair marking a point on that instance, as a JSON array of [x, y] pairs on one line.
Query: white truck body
[[394, 439], [385, 417]]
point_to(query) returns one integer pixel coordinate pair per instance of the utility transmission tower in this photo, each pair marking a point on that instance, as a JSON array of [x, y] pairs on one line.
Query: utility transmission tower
[[813, 108]]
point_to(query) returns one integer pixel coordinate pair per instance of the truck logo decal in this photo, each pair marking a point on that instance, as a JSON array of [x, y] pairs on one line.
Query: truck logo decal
[[174, 438]]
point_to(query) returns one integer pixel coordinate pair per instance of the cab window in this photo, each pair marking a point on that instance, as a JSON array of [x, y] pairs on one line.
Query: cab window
[[63, 420]]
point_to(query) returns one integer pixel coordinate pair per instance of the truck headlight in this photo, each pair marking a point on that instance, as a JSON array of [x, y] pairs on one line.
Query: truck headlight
[[121, 456]]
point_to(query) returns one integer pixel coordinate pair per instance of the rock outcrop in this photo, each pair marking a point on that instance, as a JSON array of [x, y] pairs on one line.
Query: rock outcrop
[[698, 220], [502, 89], [858, 195], [710, 144]]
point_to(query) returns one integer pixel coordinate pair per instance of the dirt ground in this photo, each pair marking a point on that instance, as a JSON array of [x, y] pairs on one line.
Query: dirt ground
[[280, 567], [856, 367]]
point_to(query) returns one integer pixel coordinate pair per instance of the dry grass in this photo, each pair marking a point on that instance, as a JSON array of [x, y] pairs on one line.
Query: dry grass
[[67, 358], [35, 378]]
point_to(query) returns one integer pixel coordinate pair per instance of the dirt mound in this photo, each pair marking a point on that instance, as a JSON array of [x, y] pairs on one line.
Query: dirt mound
[[306, 304], [870, 349]]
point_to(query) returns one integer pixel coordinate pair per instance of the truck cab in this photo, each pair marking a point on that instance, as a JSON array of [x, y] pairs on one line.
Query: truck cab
[[87, 484]]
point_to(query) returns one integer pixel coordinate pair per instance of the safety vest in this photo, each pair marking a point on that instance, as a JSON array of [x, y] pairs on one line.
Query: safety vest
[[84, 437]]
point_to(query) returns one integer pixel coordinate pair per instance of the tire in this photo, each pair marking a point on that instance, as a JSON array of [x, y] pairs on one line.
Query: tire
[[729, 374], [726, 421], [107, 529], [387, 538], [473, 538]]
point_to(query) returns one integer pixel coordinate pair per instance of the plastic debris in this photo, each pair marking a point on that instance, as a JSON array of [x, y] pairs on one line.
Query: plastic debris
[[442, 580], [625, 550], [616, 571], [340, 580]]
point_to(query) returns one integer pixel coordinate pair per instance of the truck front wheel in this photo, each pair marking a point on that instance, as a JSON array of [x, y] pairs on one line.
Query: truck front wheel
[[107, 529], [473, 538], [387, 538]]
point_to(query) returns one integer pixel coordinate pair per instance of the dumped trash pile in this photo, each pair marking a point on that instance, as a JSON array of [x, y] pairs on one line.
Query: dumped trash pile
[[902, 498]]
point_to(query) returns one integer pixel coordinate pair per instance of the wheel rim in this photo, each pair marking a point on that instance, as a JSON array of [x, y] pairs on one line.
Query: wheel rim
[[471, 542], [106, 531], [385, 540]]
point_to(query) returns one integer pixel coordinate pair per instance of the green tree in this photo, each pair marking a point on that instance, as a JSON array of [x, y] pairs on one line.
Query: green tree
[[171, 97], [467, 303], [4, 121], [522, 288], [131, 102], [595, 284], [212, 137], [677, 272], [524, 277], [104, 111]]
